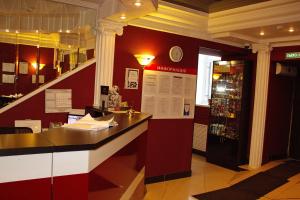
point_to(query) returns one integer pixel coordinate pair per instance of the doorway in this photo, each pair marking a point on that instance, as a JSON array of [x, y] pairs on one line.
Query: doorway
[[294, 147], [282, 132]]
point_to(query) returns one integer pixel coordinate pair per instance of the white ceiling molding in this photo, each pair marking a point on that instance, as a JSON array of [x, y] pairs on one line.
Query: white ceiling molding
[[115, 10], [243, 24], [283, 39], [85, 4], [285, 44], [242, 37], [256, 15]]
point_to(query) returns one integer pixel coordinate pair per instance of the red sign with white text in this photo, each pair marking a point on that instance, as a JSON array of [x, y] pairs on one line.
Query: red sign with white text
[[174, 69]]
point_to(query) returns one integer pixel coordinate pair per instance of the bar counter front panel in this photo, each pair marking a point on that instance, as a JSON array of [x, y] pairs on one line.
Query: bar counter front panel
[[69, 164]]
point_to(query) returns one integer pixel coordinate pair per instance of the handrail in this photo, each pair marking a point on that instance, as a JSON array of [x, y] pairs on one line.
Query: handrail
[[47, 85]]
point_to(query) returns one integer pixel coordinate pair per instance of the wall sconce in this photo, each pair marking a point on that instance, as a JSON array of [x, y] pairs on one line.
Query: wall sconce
[[216, 76], [34, 65], [144, 59]]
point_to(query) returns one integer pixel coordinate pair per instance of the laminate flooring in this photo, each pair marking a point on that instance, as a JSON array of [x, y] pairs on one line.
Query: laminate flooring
[[208, 177]]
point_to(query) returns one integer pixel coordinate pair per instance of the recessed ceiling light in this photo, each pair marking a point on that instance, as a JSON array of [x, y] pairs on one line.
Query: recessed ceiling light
[[262, 33], [7, 30], [291, 29], [123, 17], [137, 3]]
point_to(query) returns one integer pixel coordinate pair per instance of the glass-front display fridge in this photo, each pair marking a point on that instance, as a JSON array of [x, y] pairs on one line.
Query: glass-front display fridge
[[227, 139]]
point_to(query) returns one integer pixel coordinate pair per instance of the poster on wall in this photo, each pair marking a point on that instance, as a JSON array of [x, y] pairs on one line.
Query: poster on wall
[[131, 78], [23, 68], [58, 100], [8, 67], [8, 78], [169, 92]]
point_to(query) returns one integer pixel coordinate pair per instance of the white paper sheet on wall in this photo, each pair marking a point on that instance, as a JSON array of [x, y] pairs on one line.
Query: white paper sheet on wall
[[33, 78], [35, 125], [58, 100], [8, 67], [23, 68], [41, 79], [8, 78]]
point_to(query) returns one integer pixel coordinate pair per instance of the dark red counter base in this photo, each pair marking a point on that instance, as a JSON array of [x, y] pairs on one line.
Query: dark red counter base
[[26, 190], [168, 177]]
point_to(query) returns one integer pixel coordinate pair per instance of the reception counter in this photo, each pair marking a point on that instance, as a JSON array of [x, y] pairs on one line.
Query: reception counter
[[63, 163]]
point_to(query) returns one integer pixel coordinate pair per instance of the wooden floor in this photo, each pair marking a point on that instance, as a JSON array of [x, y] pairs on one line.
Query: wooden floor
[[207, 177]]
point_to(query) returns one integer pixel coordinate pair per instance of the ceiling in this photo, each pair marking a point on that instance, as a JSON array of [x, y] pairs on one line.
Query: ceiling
[[235, 22]]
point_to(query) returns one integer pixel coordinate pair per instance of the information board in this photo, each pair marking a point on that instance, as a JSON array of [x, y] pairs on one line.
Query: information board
[[169, 92], [58, 100]]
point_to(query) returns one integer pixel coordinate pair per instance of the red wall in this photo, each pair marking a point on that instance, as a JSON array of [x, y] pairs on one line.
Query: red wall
[[169, 141], [82, 85], [8, 54], [27, 54]]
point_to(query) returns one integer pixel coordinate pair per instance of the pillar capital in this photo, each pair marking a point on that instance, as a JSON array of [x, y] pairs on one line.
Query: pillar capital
[[261, 47], [110, 27]]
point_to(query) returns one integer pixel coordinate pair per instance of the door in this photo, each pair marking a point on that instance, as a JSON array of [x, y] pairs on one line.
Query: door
[[295, 134]]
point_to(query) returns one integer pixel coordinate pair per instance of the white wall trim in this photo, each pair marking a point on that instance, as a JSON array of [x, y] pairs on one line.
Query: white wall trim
[[25, 167], [48, 85], [70, 163]]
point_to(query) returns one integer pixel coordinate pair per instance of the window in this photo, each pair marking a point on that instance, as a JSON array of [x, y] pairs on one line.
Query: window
[[204, 78]]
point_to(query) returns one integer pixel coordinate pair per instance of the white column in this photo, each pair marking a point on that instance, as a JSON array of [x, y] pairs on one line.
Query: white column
[[260, 104], [105, 49]]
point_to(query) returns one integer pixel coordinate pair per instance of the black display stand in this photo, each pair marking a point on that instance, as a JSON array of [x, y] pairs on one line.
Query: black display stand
[[227, 138]]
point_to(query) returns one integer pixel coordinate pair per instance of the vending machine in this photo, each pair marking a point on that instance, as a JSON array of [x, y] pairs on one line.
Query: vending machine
[[227, 138]]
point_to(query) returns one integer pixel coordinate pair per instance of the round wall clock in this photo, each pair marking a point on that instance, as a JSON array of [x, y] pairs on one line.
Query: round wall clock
[[176, 54]]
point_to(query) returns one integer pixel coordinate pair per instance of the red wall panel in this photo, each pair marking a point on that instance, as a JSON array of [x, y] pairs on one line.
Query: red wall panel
[[73, 187], [82, 85], [169, 141], [169, 146], [27, 54], [36, 189], [202, 115]]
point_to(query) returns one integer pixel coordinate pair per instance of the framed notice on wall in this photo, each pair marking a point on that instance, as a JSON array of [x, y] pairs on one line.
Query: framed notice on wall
[[169, 92], [131, 78], [58, 100]]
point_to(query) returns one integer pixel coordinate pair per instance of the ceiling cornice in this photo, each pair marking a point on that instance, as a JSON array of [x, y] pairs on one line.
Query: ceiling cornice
[[179, 20], [80, 3], [256, 15]]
